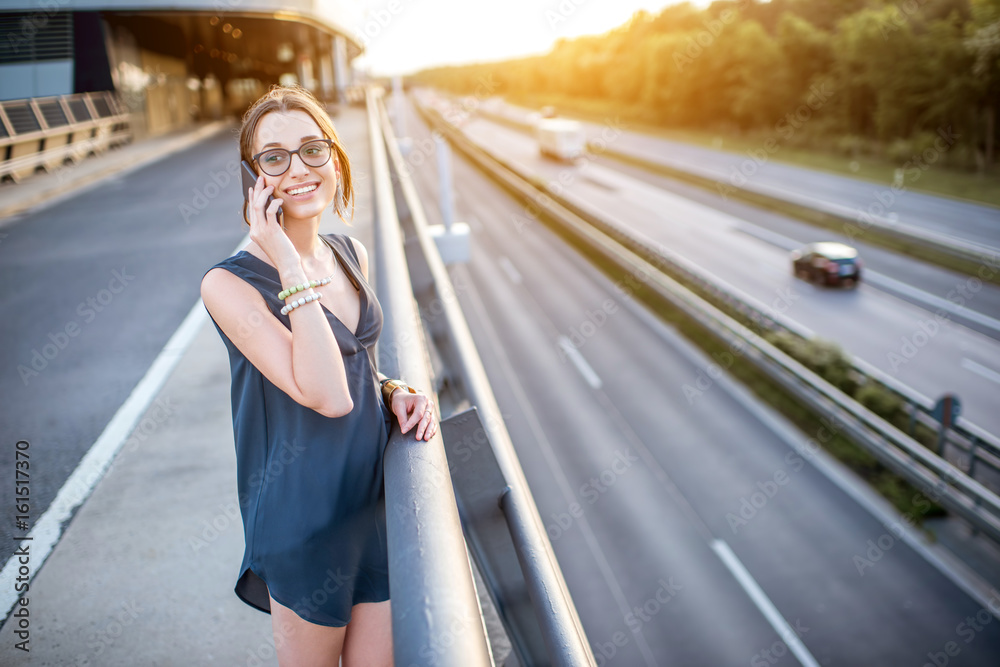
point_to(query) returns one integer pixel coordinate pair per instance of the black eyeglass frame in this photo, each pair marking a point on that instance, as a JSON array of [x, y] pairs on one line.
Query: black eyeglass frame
[[328, 142]]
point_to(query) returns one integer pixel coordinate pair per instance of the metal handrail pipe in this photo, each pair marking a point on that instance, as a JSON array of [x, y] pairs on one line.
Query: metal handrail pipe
[[60, 153], [62, 130], [562, 642], [564, 633], [431, 581]]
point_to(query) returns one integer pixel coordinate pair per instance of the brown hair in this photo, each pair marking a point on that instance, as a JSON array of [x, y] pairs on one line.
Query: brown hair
[[289, 98]]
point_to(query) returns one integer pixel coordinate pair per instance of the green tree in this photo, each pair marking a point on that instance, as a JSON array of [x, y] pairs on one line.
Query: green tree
[[984, 44]]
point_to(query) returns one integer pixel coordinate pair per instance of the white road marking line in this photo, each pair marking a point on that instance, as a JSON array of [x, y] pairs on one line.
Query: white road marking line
[[91, 469], [979, 369], [510, 270], [47, 531], [548, 452], [581, 364], [930, 300], [763, 603]]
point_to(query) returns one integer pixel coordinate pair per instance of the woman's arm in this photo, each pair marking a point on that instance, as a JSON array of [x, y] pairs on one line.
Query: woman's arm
[[305, 363]]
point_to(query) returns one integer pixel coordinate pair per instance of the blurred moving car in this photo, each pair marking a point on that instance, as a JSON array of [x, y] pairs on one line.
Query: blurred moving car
[[828, 263], [560, 138]]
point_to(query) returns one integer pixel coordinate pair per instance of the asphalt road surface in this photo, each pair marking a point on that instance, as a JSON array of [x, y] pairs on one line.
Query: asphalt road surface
[[906, 338], [642, 488], [950, 217], [93, 288]]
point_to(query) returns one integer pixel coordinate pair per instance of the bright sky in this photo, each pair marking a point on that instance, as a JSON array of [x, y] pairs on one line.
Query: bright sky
[[403, 36]]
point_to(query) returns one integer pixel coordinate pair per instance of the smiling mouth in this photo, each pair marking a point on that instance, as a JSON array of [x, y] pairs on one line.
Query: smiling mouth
[[302, 190]]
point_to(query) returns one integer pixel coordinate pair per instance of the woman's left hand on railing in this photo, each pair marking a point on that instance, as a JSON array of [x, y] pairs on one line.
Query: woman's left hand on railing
[[414, 410]]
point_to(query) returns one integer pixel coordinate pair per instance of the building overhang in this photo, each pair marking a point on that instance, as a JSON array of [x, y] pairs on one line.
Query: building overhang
[[333, 17]]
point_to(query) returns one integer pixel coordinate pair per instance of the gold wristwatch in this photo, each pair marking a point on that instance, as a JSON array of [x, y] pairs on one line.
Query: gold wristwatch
[[389, 385]]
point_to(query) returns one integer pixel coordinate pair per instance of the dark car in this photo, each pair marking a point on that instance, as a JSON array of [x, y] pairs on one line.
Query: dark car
[[827, 263]]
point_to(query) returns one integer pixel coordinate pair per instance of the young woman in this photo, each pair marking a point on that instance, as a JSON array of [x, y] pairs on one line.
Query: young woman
[[310, 412]]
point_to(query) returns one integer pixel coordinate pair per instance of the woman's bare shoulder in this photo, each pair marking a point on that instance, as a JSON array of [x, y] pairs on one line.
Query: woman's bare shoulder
[[362, 253]]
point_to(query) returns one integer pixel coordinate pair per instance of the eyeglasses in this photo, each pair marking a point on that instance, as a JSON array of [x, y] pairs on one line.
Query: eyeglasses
[[275, 161]]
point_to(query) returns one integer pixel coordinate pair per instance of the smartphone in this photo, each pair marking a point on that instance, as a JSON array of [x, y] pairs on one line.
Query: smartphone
[[250, 180]]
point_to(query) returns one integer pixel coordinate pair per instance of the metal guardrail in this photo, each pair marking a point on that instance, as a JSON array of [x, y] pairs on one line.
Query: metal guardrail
[[930, 473], [553, 634], [971, 441], [961, 248], [969, 438], [48, 132], [432, 588]]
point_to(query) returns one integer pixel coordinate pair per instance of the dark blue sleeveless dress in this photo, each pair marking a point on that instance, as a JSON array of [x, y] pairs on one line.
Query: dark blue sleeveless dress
[[311, 487]]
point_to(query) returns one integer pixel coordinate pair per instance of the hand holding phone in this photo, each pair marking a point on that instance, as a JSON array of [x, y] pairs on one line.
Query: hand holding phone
[[249, 181]]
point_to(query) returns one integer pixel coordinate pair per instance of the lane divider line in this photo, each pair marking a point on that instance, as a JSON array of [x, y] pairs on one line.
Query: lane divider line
[[510, 270], [581, 364], [760, 599], [979, 369]]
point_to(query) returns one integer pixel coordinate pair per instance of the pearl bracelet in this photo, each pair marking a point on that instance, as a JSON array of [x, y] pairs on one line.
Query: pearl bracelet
[[284, 294], [301, 301]]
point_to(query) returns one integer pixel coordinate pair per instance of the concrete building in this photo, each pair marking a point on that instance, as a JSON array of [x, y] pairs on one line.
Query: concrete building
[[174, 63]]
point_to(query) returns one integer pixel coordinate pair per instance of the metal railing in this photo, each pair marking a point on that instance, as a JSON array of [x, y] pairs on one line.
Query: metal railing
[[638, 255], [48, 132], [432, 583], [972, 440], [518, 563]]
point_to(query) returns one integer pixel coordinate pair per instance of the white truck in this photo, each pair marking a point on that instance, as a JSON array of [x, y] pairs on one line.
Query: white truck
[[560, 138]]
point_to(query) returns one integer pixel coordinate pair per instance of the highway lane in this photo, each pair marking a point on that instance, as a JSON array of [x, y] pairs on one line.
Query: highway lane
[[885, 269], [931, 355], [952, 217], [657, 480], [912, 280], [897, 274]]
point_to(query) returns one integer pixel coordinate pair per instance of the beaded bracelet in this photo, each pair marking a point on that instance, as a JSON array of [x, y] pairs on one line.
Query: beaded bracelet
[[301, 301], [284, 294]]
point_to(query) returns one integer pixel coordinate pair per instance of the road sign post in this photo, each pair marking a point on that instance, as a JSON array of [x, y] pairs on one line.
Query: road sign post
[[946, 411]]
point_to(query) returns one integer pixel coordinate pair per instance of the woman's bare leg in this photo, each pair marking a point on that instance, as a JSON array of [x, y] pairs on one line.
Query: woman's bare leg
[[300, 643], [369, 636]]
